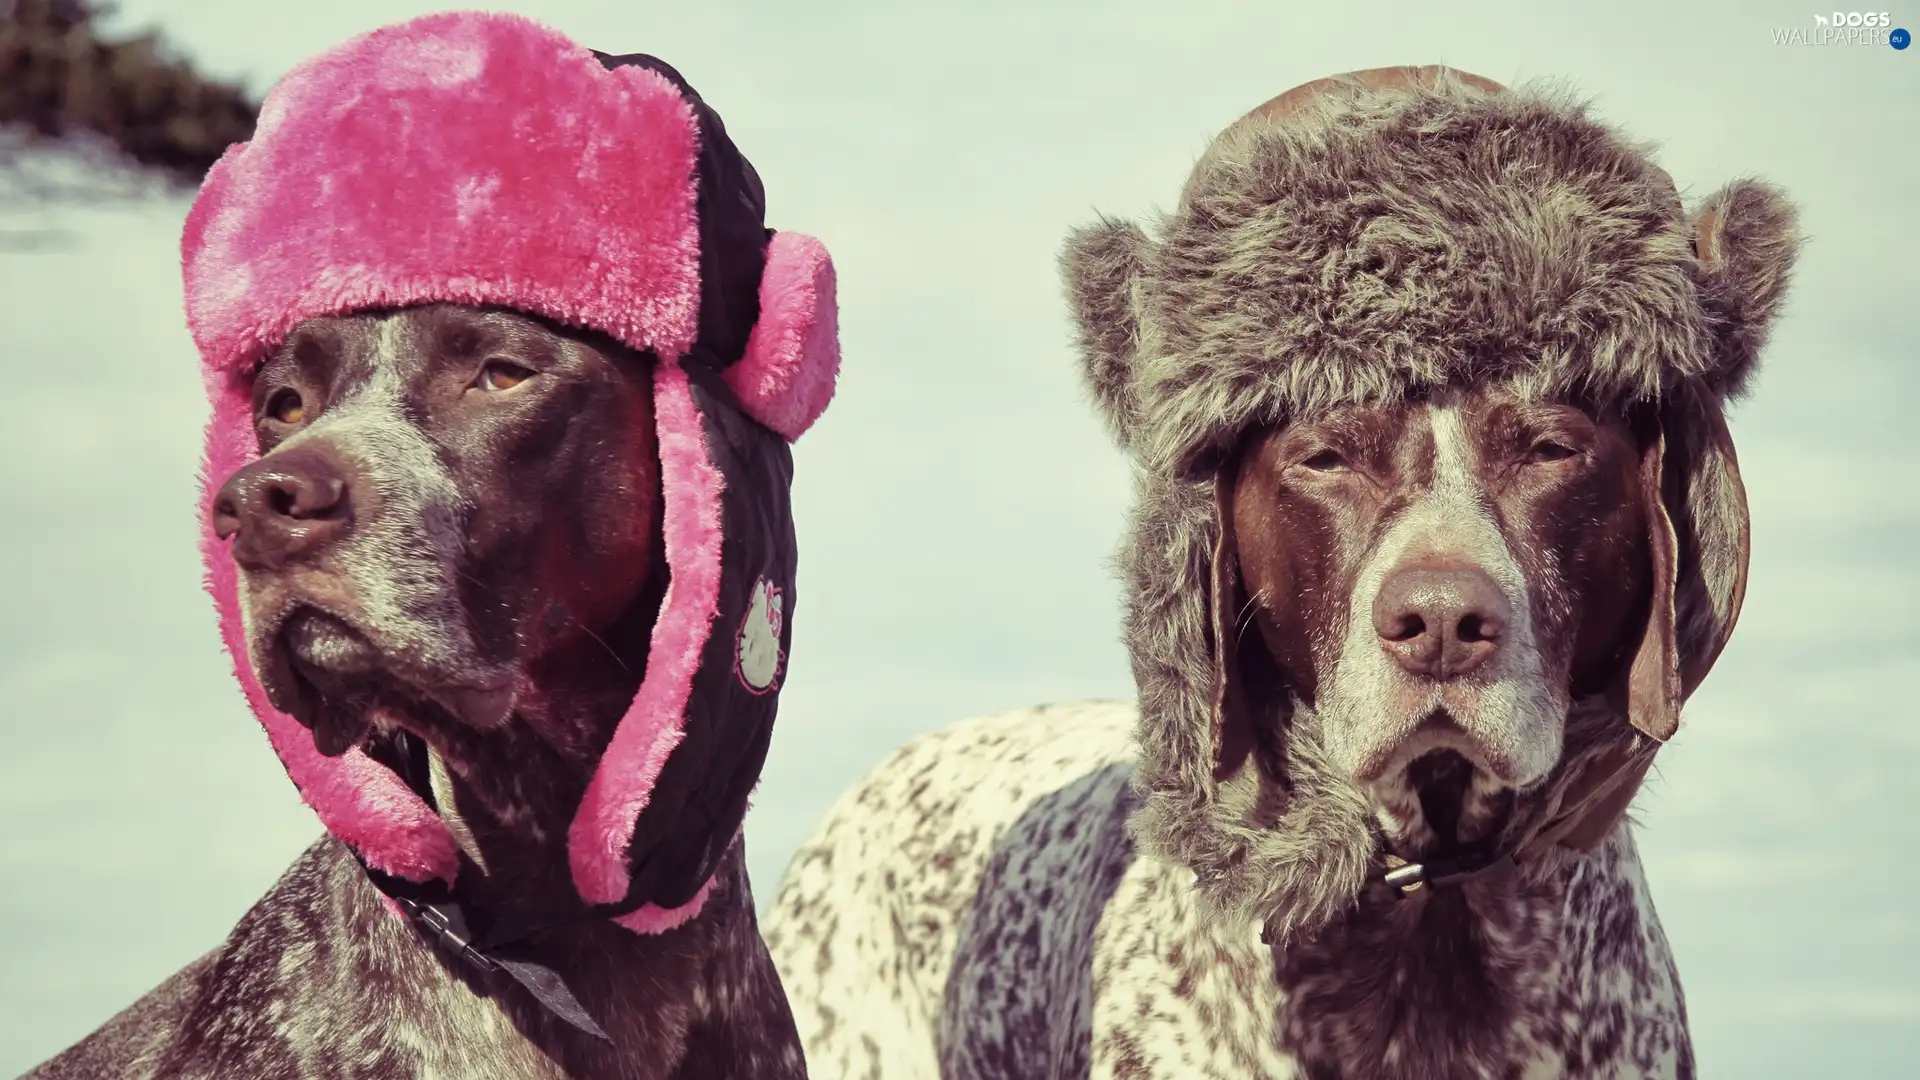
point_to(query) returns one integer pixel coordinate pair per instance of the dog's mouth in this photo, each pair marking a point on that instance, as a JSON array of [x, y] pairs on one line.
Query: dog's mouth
[[332, 678], [1463, 812], [1442, 780]]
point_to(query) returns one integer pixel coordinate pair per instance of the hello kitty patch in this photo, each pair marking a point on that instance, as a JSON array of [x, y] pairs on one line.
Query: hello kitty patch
[[757, 657]]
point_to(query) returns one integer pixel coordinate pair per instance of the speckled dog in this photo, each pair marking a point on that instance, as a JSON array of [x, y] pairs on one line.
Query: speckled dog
[[1438, 523], [503, 365]]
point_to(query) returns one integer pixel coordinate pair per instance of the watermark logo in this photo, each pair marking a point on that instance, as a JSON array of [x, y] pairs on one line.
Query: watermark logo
[[1845, 28], [1854, 18]]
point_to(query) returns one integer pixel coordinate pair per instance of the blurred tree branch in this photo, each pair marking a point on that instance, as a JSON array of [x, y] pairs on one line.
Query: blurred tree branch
[[83, 119]]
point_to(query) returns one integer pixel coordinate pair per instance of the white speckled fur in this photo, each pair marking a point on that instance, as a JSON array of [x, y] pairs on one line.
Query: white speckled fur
[[319, 981], [974, 909]]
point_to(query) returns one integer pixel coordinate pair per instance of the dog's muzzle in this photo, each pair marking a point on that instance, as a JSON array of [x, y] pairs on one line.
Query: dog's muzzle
[[336, 682], [323, 648]]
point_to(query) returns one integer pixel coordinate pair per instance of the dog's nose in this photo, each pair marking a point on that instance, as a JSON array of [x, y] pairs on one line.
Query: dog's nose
[[283, 507], [1440, 622]]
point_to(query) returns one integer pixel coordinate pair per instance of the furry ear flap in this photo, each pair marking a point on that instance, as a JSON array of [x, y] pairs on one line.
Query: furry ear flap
[[1746, 241], [1102, 265], [786, 377]]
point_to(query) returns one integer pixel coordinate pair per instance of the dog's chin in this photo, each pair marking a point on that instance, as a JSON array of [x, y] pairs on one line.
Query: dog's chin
[[1443, 785], [1509, 729], [1460, 810], [332, 678]]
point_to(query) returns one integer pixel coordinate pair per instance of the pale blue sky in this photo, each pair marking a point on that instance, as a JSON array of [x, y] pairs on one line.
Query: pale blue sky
[[958, 503]]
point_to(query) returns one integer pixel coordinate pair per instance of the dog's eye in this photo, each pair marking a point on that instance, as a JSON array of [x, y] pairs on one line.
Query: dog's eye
[[286, 407], [1546, 450], [1324, 461], [500, 375]]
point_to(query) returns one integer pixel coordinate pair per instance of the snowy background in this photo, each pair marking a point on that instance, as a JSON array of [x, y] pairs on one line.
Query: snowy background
[[958, 503]]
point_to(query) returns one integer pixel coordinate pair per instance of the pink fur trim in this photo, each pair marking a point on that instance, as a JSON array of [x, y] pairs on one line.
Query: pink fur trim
[[468, 156], [786, 379], [653, 725], [658, 920], [358, 800]]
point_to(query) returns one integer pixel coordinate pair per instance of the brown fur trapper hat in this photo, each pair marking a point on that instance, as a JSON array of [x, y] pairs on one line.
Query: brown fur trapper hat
[[1356, 240]]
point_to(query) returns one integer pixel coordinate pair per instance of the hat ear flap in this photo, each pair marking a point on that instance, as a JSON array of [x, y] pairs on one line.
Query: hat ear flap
[[1102, 265], [1745, 241], [786, 377]]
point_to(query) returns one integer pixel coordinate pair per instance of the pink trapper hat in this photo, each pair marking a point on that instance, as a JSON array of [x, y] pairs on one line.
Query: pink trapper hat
[[485, 159]]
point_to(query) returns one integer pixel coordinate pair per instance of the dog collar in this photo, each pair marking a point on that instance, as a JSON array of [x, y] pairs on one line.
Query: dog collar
[[485, 943], [1405, 878], [446, 924], [1591, 805]]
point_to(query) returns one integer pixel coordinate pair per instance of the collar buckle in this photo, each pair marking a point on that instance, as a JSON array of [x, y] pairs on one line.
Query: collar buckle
[[1407, 878], [448, 927]]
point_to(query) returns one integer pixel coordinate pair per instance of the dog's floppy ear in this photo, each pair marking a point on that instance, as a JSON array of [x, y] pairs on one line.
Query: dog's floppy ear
[[1712, 527], [1746, 241], [1653, 677], [1233, 732], [1102, 265], [1697, 526], [1252, 696], [1699, 541]]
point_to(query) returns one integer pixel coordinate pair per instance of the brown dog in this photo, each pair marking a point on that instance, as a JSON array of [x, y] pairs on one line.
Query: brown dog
[[1437, 524], [1494, 554], [499, 538], [453, 532]]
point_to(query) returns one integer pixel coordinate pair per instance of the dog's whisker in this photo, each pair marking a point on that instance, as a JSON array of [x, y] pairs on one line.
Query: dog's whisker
[[1243, 621], [603, 644]]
